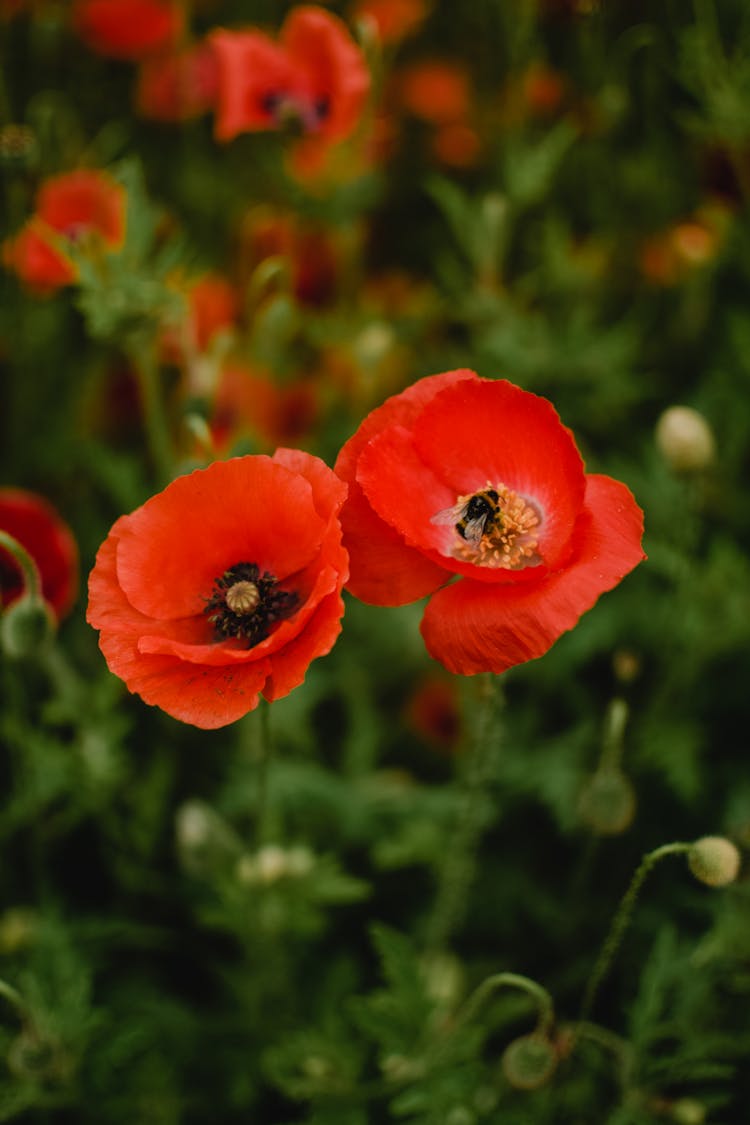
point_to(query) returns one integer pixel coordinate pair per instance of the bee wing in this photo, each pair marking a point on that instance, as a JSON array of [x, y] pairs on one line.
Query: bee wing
[[474, 529], [449, 515]]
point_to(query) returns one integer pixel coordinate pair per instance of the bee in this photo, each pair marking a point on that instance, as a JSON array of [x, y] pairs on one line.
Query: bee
[[474, 516]]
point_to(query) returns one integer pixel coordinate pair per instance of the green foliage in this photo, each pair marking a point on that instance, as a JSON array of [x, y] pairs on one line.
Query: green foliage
[[294, 920]]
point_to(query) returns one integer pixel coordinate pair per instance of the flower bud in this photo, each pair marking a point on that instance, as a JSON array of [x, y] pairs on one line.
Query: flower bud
[[685, 439], [528, 1062], [714, 860], [18, 147], [25, 626], [607, 802], [688, 1111]]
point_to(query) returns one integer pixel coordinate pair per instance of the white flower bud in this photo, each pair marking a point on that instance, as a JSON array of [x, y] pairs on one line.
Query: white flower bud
[[685, 439]]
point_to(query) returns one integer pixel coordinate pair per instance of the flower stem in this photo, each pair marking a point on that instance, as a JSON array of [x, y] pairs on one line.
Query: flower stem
[[539, 994], [620, 922], [29, 569], [157, 431], [460, 858], [263, 756]]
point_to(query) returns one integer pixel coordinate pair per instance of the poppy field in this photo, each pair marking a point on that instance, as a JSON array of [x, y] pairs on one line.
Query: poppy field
[[374, 562]]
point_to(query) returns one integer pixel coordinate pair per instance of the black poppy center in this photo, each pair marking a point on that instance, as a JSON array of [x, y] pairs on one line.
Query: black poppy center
[[294, 112], [247, 604]]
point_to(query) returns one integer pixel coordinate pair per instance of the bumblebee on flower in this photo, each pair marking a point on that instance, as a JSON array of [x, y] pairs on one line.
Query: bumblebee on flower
[[473, 491]]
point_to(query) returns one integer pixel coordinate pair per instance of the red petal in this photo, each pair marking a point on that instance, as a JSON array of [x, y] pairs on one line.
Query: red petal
[[192, 640], [382, 569], [84, 199], [329, 491], [399, 409], [289, 665], [250, 65], [36, 525], [207, 697], [473, 627], [491, 430], [406, 493], [321, 48], [248, 509]]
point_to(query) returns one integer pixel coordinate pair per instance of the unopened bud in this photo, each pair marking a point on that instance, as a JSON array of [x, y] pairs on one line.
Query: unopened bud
[[714, 860], [529, 1062], [607, 803], [18, 146], [685, 439], [687, 1111], [25, 626]]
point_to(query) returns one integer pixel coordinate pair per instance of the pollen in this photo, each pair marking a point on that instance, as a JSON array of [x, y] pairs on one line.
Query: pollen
[[510, 537], [242, 597]]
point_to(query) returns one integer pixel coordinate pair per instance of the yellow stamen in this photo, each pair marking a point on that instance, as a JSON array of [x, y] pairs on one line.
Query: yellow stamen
[[509, 540]]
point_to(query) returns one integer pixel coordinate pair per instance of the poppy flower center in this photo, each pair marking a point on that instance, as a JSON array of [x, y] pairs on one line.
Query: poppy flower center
[[247, 604], [286, 108], [493, 527]]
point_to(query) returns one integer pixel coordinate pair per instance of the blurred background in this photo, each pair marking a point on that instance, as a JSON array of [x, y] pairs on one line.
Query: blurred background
[[549, 191]]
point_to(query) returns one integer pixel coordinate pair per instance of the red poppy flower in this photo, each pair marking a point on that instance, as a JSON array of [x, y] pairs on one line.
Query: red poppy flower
[[473, 491], [35, 524], [314, 75], [75, 205], [224, 586], [178, 85], [127, 29]]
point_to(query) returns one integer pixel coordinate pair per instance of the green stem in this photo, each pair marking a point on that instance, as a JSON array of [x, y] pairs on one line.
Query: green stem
[[157, 431], [29, 569], [620, 922], [540, 996], [459, 864], [13, 997], [614, 731], [263, 755]]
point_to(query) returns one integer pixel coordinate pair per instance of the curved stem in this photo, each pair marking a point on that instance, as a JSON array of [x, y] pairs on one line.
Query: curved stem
[[13, 997], [539, 994], [620, 922], [29, 569]]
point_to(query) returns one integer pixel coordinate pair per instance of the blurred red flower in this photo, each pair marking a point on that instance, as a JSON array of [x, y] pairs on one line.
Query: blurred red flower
[[36, 525], [435, 90], [314, 76], [224, 586], [73, 206], [249, 403], [472, 490], [393, 19], [433, 711], [308, 251], [127, 29], [177, 85]]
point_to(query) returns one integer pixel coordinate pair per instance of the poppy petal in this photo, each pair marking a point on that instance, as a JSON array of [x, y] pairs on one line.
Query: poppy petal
[[207, 697], [401, 409], [382, 569], [321, 48], [407, 494], [289, 665], [251, 67], [248, 509], [473, 627], [492, 431], [329, 492]]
